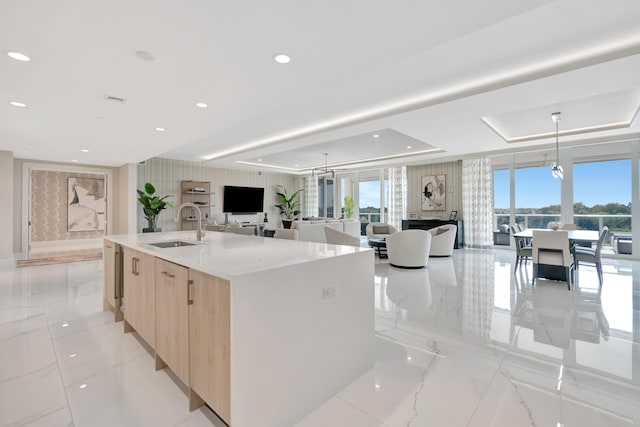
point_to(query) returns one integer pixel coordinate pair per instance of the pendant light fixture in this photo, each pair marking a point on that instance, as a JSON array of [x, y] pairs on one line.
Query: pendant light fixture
[[556, 169]]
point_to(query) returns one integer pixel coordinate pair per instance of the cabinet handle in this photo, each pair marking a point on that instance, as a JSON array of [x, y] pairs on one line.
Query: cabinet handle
[[137, 266], [118, 268], [169, 275], [133, 266], [189, 297]]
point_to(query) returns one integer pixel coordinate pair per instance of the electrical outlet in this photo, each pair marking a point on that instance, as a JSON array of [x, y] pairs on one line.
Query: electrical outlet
[[330, 292]]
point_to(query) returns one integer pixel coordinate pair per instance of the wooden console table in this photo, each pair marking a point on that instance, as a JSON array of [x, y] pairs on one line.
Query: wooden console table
[[427, 224]]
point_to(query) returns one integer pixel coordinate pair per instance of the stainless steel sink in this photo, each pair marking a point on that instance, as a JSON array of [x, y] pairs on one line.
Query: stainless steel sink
[[171, 244]]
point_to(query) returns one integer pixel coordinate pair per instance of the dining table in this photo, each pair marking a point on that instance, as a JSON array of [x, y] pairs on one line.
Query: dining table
[[576, 237]]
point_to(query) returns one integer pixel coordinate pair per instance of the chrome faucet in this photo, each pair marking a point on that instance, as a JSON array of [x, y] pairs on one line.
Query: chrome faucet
[[199, 229]]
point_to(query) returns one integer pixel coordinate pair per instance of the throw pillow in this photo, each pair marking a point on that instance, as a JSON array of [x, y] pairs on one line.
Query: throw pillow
[[440, 231], [504, 228], [380, 229]]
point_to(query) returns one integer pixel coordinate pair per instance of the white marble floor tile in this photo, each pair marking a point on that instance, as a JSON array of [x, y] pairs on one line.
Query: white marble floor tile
[[36, 397], [338, 413], [202, 417], [91, 351], [26, 348], [414, 387]]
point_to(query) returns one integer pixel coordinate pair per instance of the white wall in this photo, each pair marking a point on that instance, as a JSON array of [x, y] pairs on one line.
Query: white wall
[[6, 209]]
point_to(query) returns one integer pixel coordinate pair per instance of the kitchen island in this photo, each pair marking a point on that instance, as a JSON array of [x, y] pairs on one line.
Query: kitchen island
[[261, 330]]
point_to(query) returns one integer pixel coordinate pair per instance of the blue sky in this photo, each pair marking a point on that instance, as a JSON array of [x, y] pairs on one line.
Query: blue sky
[[594, 183], [369, 194]]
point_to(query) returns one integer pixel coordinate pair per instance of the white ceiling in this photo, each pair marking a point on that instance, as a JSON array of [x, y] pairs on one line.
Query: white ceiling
[[423, 70]]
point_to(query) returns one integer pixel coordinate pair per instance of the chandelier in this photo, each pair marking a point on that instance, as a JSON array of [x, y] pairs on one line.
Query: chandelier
[[556, 168], [320, 171]]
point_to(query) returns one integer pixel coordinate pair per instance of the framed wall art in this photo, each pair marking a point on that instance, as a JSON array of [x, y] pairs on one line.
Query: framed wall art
[[434, 192], [86, 204]]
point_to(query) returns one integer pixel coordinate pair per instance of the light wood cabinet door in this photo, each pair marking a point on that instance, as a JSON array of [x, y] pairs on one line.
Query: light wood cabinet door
[[112, 285], [209, 341], [146, 304], [109, 260], [131, 296], [172, 320], [139, 294]]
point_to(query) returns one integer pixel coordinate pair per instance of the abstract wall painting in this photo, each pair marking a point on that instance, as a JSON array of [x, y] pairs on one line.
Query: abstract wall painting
[[434, 192], [86, 204]]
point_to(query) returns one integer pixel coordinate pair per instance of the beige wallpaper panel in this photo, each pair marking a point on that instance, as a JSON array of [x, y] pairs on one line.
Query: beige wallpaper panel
[[49, 206], [166, 176], [453, 172]]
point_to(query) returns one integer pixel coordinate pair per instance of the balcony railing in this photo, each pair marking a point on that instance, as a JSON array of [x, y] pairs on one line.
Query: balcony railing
[[616, 223]]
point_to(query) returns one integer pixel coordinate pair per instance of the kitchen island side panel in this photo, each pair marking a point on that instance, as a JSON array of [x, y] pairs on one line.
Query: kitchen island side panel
[[299, 335]]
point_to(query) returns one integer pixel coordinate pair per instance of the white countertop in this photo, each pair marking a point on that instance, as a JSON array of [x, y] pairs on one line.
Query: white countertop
[[226, 255]]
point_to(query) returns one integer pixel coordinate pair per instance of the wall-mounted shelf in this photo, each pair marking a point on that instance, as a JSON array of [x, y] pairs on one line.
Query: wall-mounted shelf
[[200, 198]]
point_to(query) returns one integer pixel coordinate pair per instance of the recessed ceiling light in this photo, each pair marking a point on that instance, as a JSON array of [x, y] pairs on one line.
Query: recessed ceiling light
[[74, 160], [409, 147], [282, 58], [65, 324], [17, 104], [201, 105], [375, 135], [71, 356], [81, 386], [259, 160], [160, 129], [19, 56], [84, 150]]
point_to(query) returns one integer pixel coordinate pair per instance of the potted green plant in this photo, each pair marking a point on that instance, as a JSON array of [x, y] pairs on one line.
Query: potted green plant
[[152, 206], [288, 206], [348, 206]]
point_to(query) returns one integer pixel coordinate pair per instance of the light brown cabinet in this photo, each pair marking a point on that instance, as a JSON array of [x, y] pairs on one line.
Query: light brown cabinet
[[172, 320], [111, 290], [209, 341], [139, 294]]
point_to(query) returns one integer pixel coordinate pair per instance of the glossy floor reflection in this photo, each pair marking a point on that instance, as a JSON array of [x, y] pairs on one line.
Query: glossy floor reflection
[[463, 343]]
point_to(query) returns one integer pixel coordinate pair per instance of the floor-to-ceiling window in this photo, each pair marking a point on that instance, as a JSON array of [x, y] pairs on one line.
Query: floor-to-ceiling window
[[537, 196], [325, 197], [602, 197], [369, 203], [597, 191], [501, 196]]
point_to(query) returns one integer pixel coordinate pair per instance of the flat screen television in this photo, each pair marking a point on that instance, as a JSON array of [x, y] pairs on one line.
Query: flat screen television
[[242, 200]]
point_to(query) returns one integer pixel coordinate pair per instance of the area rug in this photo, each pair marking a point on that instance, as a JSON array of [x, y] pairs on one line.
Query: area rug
[[58, 259]]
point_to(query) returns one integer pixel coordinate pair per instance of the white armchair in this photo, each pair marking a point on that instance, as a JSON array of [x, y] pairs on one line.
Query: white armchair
[[337, 237], [443, 239], [378, 230], [286, 233], [409, 248]]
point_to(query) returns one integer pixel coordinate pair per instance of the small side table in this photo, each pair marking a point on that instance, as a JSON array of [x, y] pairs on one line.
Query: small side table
[[380, 245]]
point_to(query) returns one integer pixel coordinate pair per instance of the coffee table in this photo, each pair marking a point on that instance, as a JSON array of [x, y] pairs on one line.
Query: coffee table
[[380, 244]]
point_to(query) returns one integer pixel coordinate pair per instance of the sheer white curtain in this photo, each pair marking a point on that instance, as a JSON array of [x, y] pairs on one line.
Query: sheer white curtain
[[311, 196], [477, 202], [397, 196]]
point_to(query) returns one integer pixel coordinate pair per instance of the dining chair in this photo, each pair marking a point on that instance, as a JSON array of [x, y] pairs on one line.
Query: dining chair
[[569, 227], [551, 256], [592, 255], [523, 247]]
